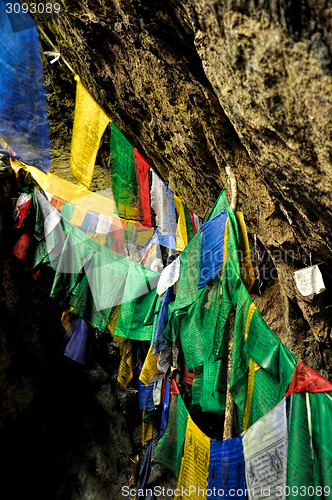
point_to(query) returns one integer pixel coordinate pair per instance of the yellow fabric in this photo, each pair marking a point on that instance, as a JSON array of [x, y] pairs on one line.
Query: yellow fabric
[[181, 229], [66, 317], [251, 310], [55, 185], [128, 353], [78, 216], [101, 238], [247, 270], [143, 234], [253, 367], [225, 256], [76, 194], [147, 431], [149, 368], [195, 463], [90, 122]]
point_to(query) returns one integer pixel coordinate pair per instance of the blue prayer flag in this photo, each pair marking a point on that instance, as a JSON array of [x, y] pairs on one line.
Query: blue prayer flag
[[212, 248], [226, 469], [24, 129]]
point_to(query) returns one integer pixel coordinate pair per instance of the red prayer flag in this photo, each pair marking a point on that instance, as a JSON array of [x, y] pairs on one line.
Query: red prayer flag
[[174, 387], [22, 211], [193, 220], [20, 249], [143, 178], [188, 377], [57, 202], [305, 379]]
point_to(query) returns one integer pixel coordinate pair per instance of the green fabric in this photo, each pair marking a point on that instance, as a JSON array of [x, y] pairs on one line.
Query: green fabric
[[189, 223], [263, 345], [137, 316], [198, 325], [170, 446], [220, 204], [67, 210], [210, 385], [321, 418], [302, 464], [197, 387], [124, 178], [99, 279]]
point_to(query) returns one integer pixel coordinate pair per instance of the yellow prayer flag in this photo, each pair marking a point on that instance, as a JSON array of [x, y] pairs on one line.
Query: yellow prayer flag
[[253, 368], [90, 121], [128, 352], [195, 463], [181, 229], [247, 271], [149, 368]]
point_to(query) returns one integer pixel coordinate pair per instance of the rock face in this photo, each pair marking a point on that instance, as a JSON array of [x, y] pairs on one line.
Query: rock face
[[195, 85]]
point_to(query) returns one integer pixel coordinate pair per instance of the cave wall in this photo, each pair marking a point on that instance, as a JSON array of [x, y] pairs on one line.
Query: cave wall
[[195, 85]]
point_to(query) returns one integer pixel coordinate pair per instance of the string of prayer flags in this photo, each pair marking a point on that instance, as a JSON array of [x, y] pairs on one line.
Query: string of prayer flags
[[193, 475], [265, 453], [125, 184], [170, 446], [305, 379], [90, 122], [24, 129], [226, 469], [162, 202], [143, 169]]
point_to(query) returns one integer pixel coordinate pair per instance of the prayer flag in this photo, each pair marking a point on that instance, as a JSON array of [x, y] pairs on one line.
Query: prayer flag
[[305, 379], [24, 129], [181, 229], [90, 122], [226, 469], [265, 453], [162, 201], [125, 184], [212, 248], [193, 475], [170, 446], [143, 178]]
